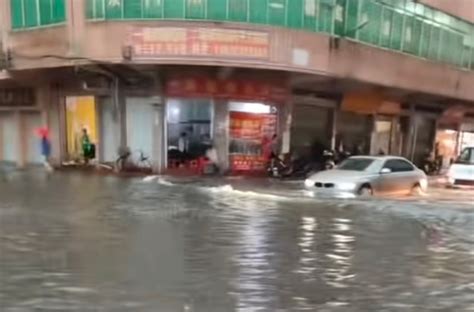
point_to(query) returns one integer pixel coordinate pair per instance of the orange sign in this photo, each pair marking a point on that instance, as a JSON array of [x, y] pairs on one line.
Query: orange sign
[[369, 103], [252, 131], [152, 42]]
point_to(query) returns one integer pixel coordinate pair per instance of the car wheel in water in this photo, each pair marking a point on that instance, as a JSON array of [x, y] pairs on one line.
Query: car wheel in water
[[417, 190], [366, 191]]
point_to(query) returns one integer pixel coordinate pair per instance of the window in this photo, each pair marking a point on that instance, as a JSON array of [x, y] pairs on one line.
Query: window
[[356, 164], [34, 13], [398, 165], [467, 156]]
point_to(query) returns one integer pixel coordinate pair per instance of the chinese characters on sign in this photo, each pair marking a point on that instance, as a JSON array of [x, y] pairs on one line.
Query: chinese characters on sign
[[215, 42], [227, 89], [248, 134]]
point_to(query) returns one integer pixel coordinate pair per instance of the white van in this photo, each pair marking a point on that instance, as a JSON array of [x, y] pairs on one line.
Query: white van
[[461, 172]]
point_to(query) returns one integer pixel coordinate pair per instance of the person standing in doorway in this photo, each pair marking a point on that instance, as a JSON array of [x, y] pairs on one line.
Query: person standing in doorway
[[88, 149]]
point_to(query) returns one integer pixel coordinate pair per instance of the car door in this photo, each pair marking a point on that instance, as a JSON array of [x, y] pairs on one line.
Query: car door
[[407, 176], [401, 179], [386, 182]]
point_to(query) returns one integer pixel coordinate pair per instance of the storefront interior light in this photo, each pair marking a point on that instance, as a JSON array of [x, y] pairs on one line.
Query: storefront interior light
[[175, 111], [255, 108]]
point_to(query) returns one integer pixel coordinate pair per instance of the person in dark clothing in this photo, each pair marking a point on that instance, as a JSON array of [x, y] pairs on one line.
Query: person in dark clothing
[[88, 149], [45, 148]]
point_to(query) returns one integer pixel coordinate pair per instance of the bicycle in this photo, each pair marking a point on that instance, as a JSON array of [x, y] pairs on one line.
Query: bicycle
[[126, 161], [143, 161]]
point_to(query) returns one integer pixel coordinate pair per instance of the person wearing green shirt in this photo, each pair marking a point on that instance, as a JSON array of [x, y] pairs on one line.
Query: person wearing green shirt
[[88, 149]]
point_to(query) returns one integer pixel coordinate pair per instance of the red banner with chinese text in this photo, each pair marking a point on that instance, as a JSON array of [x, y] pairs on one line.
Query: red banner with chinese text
[[226, 89], [252, 133], [150, 42]]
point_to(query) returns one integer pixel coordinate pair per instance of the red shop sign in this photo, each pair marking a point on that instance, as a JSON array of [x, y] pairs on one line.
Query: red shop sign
[[247, 163], [226, 89], [155, 42]]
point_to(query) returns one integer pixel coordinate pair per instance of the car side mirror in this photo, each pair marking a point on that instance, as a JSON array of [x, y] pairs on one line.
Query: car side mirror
[[385, 171]]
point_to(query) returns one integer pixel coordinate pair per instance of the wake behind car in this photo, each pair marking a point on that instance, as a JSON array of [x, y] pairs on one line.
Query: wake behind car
[[461, 172], [369, 175]]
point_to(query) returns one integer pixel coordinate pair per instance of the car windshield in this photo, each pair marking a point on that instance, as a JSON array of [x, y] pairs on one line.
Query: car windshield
[[467, 156], [356, 164]]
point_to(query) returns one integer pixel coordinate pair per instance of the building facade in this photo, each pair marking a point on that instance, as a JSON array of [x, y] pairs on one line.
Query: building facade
[[169, 78]]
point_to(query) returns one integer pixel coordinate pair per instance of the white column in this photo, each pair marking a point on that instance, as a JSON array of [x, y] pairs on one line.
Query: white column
[[285, 122], [221, 133], [159, 146]]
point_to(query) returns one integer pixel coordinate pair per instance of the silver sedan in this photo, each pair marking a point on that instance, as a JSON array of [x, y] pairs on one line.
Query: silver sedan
[[369, 175]]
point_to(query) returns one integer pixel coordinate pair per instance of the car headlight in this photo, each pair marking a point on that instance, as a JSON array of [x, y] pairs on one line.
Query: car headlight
[[346, 186], [308, 183]]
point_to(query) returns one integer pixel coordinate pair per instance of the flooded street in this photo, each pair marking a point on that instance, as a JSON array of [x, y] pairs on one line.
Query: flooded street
[[74, 242]]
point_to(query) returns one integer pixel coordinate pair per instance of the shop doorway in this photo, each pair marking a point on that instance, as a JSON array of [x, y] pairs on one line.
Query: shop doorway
[[387, 136], [109, 130], [353, 133], [252, 127], [9, 138], [189, 132], [445, 146], [81, 115], [311, 127], [425, 131]]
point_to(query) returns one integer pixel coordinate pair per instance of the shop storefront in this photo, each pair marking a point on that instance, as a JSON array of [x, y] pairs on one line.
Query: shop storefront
[[19, 120], [424, 137], [353, 132], [189, 131], [234, 117], [368, 123], [449, 135], [81, 119], [446, 145], [312, 125], [253, 126]]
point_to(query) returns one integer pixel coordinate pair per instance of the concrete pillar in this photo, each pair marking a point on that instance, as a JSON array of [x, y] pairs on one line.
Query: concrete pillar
[[285, 115], [457, 147], [159, 146], [414, 137], [61, 127], [75, 23], [21, 139], [221, 133], [373, 135], [5, 22], [120, 103], [332, 125], [1, 138]]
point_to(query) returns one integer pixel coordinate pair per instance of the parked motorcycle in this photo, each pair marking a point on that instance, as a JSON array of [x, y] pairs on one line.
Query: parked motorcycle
[[329, 159], [432, 166], [277, 167]]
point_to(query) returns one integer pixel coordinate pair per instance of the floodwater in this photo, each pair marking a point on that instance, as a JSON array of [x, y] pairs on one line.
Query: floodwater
[[73, 242]]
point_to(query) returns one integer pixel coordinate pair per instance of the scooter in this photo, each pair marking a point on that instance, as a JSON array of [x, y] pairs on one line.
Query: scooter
[[432, 166], [276, 167], [329, 159]]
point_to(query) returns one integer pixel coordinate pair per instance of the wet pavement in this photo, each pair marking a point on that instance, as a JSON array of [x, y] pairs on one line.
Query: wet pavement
[[78, 242]]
